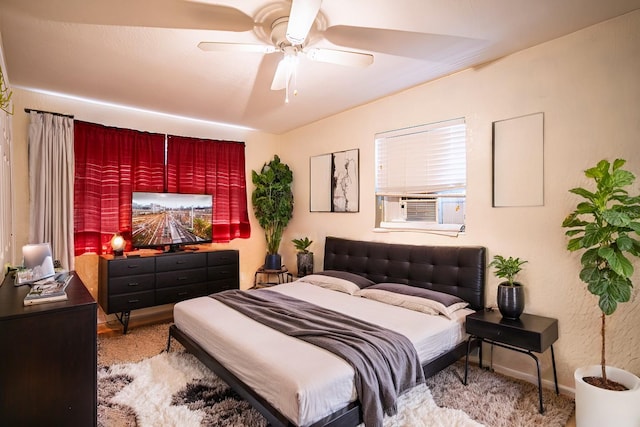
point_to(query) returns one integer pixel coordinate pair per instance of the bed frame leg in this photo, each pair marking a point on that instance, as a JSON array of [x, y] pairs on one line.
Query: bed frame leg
[[168, 349]]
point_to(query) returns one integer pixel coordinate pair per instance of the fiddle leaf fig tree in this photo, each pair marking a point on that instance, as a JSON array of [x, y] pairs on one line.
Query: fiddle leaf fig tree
[[272, 200], [605, 225]]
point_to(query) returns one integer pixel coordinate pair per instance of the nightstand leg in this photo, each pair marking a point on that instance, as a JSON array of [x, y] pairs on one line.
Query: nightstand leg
[[555, 375], [491, 359], [466, 361], [539, 381]]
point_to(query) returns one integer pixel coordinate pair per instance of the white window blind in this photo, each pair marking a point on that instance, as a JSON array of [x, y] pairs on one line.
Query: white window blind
[[422, 159]]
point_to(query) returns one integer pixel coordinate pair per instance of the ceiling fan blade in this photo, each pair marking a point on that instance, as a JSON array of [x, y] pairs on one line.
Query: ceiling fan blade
[[138, 13], [409, 44], [236, 47], [341, 57], [303, 14], [263, 101], [285, 70]]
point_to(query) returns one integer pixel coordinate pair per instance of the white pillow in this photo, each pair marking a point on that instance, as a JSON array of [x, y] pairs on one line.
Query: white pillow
[[414, 298], [333, 283]]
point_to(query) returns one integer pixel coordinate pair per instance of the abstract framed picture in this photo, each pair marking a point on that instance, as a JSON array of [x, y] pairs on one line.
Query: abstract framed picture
[[335, 182]]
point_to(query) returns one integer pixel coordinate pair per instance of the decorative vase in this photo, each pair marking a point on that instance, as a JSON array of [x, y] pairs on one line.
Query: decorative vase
[[305, 263], [596, 407], [511, 300], [273, 262]]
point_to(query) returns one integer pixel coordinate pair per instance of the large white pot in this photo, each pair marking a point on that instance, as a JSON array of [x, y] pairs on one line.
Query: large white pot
[[598, 407]]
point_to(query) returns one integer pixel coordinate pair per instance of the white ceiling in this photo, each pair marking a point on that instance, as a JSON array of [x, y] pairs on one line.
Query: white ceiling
[[144, 54]]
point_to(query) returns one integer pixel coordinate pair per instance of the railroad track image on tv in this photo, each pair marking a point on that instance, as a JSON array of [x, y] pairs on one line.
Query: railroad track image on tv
[[174, 219]]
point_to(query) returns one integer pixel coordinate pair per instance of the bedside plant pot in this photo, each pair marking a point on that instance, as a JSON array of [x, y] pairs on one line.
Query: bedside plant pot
[[305, 263], [596, 407], [511, 300], [273, 262]]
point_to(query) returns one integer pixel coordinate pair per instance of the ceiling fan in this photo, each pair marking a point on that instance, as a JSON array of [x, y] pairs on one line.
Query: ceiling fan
[[288, 36], [287, 27]]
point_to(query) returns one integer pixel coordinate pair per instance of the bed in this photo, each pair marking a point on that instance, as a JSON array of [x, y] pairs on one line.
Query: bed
[[292, 382]]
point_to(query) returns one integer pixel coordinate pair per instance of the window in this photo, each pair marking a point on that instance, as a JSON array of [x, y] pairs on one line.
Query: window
[[421, 177]]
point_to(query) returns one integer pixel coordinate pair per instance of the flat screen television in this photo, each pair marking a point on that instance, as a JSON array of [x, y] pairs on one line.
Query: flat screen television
[[174, 219]]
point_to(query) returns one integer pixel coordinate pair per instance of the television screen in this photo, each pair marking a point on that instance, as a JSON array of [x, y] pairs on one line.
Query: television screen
[[159, 219]]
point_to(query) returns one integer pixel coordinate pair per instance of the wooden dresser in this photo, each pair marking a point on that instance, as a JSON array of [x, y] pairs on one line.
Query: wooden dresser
[[48, 371], [131, 283]]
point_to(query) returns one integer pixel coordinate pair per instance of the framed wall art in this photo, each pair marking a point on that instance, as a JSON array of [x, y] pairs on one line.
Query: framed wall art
[[335, 182], [518, 161]]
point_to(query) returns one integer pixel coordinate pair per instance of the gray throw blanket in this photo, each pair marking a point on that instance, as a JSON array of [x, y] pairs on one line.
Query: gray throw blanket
[[385, 362]]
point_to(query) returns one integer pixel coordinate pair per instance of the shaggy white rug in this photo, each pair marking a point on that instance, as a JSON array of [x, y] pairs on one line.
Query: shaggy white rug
[[175, 389]]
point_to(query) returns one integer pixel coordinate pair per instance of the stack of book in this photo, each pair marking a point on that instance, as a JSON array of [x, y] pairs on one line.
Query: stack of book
[[48, 290]]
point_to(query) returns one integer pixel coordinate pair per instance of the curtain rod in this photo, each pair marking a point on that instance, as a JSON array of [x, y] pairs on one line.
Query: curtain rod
[[28, 110]]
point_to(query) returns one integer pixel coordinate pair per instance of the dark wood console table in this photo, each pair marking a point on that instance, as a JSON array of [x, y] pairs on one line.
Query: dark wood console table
[[129, 283], [48, 371]]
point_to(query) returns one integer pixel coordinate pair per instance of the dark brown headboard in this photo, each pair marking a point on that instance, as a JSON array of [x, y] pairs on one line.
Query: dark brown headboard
[[456, 270]]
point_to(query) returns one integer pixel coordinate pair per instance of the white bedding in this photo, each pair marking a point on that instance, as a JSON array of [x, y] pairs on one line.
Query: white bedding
[[304, 382]]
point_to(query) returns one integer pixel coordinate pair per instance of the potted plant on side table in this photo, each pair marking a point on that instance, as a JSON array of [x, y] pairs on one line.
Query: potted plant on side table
[[605, 226], [304, 256], [510, 293], [272, 201]]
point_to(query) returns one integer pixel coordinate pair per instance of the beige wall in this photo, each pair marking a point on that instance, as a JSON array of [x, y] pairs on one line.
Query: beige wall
[[586, 84]]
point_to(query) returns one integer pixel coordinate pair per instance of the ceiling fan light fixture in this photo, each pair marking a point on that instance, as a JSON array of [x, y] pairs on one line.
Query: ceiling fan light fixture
[[303, 14], [290, 64]]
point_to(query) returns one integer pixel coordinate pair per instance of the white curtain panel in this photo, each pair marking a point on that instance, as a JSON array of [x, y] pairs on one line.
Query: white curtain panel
[[51, 184]]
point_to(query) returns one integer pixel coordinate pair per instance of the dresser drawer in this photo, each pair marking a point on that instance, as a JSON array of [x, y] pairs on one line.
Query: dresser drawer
[[127, 284], [171, 295], [180, 261], [130, 266], [132, 301], [222, 272], [169, 279], [221, 285], [222, 257]]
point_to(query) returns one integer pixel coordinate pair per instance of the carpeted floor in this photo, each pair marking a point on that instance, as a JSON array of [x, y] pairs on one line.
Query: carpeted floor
[[139, 387]]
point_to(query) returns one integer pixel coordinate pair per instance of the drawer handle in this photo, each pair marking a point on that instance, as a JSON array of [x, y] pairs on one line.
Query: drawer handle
[[132, 266], [132, 284], [183, 277], [181, 294], [180, 262], [133, 301]]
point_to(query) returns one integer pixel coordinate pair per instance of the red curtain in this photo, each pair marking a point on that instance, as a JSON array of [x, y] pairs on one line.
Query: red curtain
[[212, 167], [110, 163]]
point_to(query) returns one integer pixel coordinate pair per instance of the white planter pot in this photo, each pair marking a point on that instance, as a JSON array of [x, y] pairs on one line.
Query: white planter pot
[[598, 407]]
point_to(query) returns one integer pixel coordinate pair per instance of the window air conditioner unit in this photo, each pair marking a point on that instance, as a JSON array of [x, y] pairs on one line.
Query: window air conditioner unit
[[425, 210]]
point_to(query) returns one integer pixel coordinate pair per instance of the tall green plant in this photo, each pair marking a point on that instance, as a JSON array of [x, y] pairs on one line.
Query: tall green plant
[[605, 226], [272, 200]]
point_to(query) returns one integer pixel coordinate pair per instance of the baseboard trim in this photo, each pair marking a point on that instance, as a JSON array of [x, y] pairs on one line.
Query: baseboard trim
[[533, 379]]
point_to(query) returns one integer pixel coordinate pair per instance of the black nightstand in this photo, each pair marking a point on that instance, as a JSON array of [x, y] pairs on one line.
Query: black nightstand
[[528, 334]]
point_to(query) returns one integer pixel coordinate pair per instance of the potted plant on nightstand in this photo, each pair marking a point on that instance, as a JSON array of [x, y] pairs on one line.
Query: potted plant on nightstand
[[272, 200], [304, 256], [605, 225], [510, 293]]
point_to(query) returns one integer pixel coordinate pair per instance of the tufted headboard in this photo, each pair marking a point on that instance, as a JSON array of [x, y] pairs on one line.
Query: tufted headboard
[[456, 270]]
